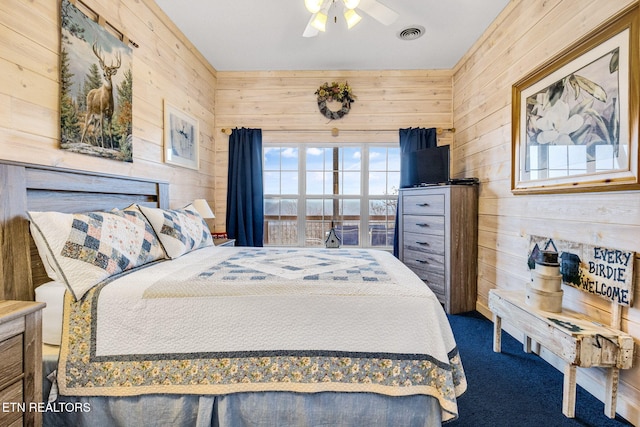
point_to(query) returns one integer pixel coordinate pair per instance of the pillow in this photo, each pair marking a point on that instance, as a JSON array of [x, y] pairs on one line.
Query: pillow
[[51, 293], [180, 230], [85, 248]]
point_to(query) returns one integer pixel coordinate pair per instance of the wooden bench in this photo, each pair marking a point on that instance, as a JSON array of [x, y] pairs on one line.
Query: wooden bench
[[574, 338]]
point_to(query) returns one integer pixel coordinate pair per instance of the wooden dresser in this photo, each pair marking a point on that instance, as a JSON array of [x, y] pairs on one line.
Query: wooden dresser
[[438, 240], [20, 362]]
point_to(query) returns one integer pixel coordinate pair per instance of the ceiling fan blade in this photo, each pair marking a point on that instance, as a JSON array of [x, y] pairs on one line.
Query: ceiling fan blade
[[378, 11], [310, 30]]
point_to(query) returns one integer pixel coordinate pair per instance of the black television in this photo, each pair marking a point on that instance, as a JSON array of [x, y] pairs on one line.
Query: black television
[[425, 167]]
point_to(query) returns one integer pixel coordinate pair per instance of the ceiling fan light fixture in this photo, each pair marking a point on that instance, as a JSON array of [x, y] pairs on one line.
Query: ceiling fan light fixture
[[319, 22], [313, 6], [351, 4], [352, 18]]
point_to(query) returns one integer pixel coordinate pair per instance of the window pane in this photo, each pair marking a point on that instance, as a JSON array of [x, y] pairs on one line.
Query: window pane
[[315, 183], [393, 183], [378, 209], [315, 159], [271, 207], [377, 183], [350, 207], [315, 232], [350, 158], [349, 233], [394, 159], [281, 233], [289, 183], [349, 183], [314, 208], [377, 159], [289, 207], [271, 158], [271, 182], [290, 158]]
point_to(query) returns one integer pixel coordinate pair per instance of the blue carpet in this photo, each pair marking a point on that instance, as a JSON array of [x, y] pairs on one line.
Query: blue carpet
[[513, 388]]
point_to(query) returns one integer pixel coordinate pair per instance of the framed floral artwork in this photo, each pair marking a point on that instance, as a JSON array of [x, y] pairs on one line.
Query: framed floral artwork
[[181, 146], [575, 119]]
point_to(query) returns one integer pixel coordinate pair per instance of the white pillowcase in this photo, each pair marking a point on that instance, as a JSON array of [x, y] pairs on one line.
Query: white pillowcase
[[52, 294], [81, 250], [180, 230]]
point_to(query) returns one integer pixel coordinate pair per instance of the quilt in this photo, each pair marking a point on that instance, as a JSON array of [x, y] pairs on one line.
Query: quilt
[[228, 320]]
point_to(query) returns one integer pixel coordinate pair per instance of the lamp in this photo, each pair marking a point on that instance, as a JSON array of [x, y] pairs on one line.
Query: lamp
[[319, 21], [351, 4], [313, 6], [320, 10], [352, 18], [203, 208]]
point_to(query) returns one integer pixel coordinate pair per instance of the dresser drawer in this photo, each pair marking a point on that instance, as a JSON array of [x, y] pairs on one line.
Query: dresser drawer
[[13, 393], [424, 224], [432, 278], [423, 204], [423, 261], [11, 360], [433, 244]]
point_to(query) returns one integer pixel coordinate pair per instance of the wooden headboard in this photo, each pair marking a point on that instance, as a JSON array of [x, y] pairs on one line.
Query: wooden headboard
[[26, 187]]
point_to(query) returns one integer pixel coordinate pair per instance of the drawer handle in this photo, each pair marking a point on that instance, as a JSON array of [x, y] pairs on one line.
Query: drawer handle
[[422, 224], [421, 261], [422, 205], [423, 243]]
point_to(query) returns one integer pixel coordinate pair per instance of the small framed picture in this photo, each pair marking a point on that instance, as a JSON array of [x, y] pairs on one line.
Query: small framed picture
[[181, 145]]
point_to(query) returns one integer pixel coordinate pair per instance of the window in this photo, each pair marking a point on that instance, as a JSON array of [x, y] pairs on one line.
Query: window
[[310, 189]]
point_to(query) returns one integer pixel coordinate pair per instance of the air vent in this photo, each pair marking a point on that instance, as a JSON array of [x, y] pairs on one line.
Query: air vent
[[411, 33]]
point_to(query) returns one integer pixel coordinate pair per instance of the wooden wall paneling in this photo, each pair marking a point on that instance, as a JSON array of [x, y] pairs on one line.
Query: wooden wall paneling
[[524, 36], [31, 20], [283, 104], [165, 65], [19, 48]]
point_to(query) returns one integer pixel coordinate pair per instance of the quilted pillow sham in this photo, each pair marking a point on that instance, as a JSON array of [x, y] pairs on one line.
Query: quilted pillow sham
[[83, 249], [180, 230]]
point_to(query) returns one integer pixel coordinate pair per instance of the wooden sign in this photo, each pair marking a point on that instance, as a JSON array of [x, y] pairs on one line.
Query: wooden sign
[[605, 272]]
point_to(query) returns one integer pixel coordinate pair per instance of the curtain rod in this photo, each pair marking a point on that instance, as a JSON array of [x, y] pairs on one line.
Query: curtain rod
[[336, 131]]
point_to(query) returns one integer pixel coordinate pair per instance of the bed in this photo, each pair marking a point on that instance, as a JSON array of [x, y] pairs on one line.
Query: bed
[[240, 336]]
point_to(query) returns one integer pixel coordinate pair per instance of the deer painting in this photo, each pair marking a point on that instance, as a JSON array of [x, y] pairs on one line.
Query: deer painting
[[100, 103]]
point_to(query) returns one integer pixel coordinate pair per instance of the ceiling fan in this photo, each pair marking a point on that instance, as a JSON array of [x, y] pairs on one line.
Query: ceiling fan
[[321, 9]]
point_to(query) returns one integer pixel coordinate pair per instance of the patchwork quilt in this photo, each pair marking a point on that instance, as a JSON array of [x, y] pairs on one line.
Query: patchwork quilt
[[228, 320]]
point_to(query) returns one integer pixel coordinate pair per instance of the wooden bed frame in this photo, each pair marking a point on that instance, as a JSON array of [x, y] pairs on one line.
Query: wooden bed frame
[[27, 187]]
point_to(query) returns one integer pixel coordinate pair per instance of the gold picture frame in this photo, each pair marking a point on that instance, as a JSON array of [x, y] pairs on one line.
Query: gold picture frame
[[575, 118], [181, 138]]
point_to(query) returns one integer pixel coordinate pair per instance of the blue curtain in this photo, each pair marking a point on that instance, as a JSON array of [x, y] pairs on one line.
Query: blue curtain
[[411, 140], [245, 200]]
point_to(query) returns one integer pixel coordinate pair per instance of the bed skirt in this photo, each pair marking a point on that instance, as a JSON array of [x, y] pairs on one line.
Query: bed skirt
[[240, 409]]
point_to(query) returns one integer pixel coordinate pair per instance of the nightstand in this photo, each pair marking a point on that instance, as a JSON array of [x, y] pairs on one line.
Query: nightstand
[[20, 362], [224, 242]]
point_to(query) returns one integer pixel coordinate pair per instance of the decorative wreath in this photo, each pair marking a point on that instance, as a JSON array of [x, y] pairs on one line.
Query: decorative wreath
[[339, 92]]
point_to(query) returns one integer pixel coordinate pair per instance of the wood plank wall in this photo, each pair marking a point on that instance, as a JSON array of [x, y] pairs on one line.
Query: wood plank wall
[[524, 36], [165, 66], [284, 105]]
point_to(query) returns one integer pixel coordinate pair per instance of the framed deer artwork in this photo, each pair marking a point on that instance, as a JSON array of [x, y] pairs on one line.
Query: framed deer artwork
[[96, 86]]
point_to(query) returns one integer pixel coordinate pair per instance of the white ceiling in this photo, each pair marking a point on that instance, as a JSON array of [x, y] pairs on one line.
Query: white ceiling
[[259, 35]]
